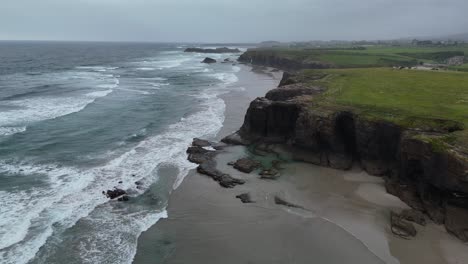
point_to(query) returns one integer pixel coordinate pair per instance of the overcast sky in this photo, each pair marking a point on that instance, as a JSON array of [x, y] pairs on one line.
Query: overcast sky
[[229, 20]]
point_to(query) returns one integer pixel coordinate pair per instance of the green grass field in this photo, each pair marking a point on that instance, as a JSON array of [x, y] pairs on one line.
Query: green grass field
[[463, 67], [372, 56], [411, 98]]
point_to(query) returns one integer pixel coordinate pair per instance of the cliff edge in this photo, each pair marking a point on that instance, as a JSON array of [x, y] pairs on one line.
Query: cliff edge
[[339, 118]]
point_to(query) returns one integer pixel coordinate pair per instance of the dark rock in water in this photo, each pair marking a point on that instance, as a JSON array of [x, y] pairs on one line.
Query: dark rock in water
[[227, 60], [199, 155], [280, 201], [120, 182], [414, 216], [246, 165], [209, 60], [112, 194], [401, 227], [138, 183], [201, 143], [231, 163], [217, 50], [245, 198], [124, 198], [269, 174]]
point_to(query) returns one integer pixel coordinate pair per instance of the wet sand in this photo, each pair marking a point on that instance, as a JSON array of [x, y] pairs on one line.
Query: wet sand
[[345, 215]]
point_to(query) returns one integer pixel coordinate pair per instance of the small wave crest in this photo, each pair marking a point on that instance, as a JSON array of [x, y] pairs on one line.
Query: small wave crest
[[53, 95], [72, 193]]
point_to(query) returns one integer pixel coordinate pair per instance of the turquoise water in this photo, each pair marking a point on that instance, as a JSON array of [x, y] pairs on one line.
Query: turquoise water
[[79, 118]]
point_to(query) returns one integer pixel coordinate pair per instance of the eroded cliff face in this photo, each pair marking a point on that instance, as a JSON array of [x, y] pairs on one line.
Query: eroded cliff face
[[267, 58], [428, 179]]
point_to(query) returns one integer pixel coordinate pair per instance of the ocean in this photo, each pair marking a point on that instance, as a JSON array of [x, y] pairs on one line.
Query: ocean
[[77, 119]]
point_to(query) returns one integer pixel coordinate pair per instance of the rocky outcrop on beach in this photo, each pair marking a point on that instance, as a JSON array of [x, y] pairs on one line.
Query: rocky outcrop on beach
[[246, 165], [428, 178], [245, 198], [216, 50], [199, 154], [268, 58], [209, 60]]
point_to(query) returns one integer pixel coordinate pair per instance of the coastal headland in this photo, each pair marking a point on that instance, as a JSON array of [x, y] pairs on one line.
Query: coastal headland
[[341, 163]]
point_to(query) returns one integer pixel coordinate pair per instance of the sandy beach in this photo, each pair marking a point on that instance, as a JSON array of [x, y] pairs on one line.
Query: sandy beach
[[343, 215]]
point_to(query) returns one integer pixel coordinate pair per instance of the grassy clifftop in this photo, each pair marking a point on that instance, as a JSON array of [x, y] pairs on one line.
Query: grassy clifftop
[[356, 57], [415, 99]]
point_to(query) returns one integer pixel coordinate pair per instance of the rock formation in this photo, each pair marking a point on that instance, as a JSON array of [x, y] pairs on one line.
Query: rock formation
[[246, 165], [197, 153], [209, 60], [245, 198], [267, 58], [427, 178], [116, 193]]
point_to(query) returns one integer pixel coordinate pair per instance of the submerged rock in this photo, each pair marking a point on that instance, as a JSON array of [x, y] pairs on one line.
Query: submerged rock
[[112, 194], [199, 155], [209, 60], [245, 198], [124, 198], [246, 165], [197, 142]]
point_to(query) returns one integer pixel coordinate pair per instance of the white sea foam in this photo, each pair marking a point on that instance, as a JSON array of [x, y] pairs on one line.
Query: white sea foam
[[29, 217], [38, 108], [162, 64], [96, 68], [71, 193], [99, 93], [226, 78], [7, 131]]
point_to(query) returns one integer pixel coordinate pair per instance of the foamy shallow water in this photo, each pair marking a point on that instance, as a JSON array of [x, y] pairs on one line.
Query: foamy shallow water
[[67, 135]]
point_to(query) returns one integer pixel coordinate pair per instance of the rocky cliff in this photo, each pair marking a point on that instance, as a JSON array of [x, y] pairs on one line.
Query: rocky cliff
[[271, 59], [428, 178]]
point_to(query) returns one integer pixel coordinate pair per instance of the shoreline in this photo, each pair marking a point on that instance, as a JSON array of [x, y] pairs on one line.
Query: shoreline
[[345, 210]]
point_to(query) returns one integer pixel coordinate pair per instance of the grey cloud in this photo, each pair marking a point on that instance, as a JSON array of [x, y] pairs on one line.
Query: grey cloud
[[228, 20]]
